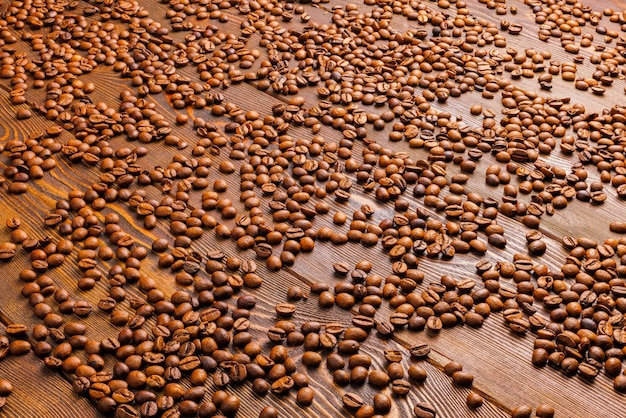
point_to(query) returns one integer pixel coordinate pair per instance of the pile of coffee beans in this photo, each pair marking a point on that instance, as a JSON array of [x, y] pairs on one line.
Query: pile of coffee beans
[[237, 194]]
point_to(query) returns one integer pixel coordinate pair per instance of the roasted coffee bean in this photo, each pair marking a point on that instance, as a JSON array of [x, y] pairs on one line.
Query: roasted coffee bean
[[282, 385], [461, 378], [268, 412], [16, 330], [545, 411], [419, 351], [305, 396], [522, 411], [400, 387], [417, 373], [434, 324], [393, 356], [424, 410], [6, 388], [452, 367], [618, 227], [311, 359], [474, 400], [352, 400], [7, 251], [619, 383], [260, 386], [341, 269], [378, 378], [230, 405]]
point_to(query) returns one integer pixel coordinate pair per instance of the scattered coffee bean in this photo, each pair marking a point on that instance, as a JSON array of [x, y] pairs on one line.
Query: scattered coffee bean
[[6, 388], [474, 400]]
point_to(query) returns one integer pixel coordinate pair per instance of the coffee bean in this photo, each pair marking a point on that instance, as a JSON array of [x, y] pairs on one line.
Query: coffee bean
[[537, 247], [461, 378], [424, 410], [588, 371], [419, 351], [149, 409], [230, 405], [393, 356], [268, 412], [618, 227], [5, 388], [417, 373], [285, 309], [22, 114], [613, 366], [19, 347], [400, 387], [540, 357], [7, 251], [352, 400], [282, 385], [260, 386], [544, 411], [378, 378], [341, 268], [619, 384], [16, 330], [305, 396], [452, 367], [522, 411], [434, 324], [311, 359], [474, 400]]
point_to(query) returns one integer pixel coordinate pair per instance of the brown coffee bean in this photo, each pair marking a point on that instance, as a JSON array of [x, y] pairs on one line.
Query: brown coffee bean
[[268, 412], [618, 227], [400, 387], [311, 359], [537, 247], [434, 324], [461, 378], [419, 351], [417, 373], [545, 411], [424, 410], [19, 347], [282, 385], [452, 367], [619, 383], [378, 378], [305, 396], [230, 405], [522, 411], [352, 400], [474, 400], [7, 251], [22, 114], [6, 388]]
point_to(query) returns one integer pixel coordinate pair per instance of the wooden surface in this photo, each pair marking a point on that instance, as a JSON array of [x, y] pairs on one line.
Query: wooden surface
[[499, 360]]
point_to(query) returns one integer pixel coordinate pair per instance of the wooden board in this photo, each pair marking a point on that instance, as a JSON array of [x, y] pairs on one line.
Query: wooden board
[[499, 360]]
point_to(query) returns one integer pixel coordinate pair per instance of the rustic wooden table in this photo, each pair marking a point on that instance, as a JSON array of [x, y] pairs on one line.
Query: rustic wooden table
[[499, 359]]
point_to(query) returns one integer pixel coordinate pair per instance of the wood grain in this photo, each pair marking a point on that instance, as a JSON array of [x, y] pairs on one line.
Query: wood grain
[[499, 360]]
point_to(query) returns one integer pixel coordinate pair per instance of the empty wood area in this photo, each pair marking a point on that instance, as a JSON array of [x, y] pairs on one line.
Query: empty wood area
[[314, 208]]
